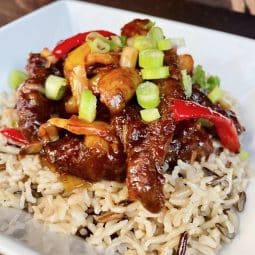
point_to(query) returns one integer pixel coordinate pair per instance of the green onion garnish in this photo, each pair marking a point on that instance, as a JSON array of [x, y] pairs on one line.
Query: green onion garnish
[[187, 83], [244, 155], [55, 87], [88, 105], [156, 34], [155, 73], [149, 25], [212, 82], [149, 115], [199, 77], [129, 57], [151, 58], [215, 95], [204, 122], [100, 45], [164, 44], [15, 78], [123, 40], [147, 94], [143, 42]]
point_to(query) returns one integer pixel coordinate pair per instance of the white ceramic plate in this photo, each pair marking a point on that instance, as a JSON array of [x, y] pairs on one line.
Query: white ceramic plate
[[231, 57]]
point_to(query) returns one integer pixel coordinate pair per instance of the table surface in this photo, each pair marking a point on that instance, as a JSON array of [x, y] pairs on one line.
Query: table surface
[[206, 13]]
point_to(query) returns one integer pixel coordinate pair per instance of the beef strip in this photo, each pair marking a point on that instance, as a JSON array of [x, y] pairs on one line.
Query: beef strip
[[70, 155], [190, 142], [33, 108]]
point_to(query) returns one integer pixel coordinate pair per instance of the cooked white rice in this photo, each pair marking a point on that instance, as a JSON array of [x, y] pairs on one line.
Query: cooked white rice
[[197, 202]]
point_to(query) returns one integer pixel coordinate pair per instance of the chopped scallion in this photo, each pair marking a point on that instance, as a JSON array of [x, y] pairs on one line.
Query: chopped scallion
[[55, 87], [147, 94], [151, 58], [149, 115], [199, 77], [100, 45], [156, 34], [123, 40], [16, 77], [129, 57], [212, 82], [149, 25], [164, 44], [215, 95], [88, 105], [187, 83], [143, 42], [155, 73], [244, 155]]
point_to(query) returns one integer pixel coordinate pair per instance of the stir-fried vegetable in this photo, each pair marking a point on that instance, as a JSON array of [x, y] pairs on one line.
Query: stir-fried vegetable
[[147, 94], [199, 77], [143, 43], [187, 83], [55, 87], [216, 95], [16, 77], [151, 58], [149, 115], [164, 44], [15, 135], [100, 45], [156, 34], [244, 155], [155, 73], [129, 57], [185, 110], [72, 42], [88, 105]]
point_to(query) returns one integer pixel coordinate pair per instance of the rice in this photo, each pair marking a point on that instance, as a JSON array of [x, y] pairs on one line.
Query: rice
[[197, 202]]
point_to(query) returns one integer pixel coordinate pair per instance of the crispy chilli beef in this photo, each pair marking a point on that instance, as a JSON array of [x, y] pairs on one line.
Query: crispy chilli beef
[[118, 145]]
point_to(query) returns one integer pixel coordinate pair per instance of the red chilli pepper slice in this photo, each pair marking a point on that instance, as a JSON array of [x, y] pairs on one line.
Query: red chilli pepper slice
[[15, 135], [68, 44], [184, 110]]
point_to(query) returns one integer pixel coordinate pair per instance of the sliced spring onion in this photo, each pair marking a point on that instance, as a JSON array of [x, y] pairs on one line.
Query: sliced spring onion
[[164, 44], [187, 83], [149, 115], [147, 95], [88, 105], [15, 78], [216, 94], [244, 155], [149, 25], [92, 36], [204, 122], [155, 73], [151, 58], [55, 87], [199, 77], [115, 42], [156, 34], [123, 40], [178, 42], [143, 42], [100, 45], [129, 57], [212, 82]]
